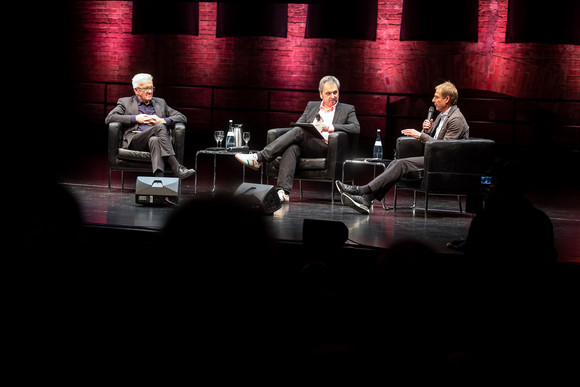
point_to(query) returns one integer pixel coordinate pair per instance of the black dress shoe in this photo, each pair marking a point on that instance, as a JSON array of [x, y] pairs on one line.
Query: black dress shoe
[[457, 245], [345, 188], [358, 203], [184, 173]]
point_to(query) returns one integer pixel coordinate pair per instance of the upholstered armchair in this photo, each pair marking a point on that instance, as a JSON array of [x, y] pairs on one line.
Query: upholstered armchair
[[341, 145], [122, 160], [452, 167]]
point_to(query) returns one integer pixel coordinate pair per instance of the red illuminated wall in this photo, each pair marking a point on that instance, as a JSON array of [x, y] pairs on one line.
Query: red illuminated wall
[[203, 72], [108, 52]]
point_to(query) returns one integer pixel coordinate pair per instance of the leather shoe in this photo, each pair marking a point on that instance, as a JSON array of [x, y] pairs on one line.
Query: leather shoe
[[345, 188], [357, 202], [184, 173], [457, 245]]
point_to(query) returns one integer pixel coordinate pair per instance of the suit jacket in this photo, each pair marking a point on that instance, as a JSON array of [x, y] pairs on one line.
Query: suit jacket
[[127, 106], [344, 116], [454, 128]]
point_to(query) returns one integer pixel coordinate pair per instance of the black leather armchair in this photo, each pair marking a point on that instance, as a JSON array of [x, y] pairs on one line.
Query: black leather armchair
[[452, 167], [121, 159], [340, 146]]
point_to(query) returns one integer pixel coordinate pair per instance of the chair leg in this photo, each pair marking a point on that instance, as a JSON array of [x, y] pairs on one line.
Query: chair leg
[[394, 207], [300, 185], [460, 206], [426, 203], [332, 192], [122, 180], [110, 178]]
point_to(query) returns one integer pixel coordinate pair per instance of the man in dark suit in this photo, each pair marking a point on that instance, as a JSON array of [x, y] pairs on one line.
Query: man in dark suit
[[449, 125], [146, 120], [327, 116]]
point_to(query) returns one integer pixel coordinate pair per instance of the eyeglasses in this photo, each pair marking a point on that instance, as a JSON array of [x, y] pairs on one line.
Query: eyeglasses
[[147, 88]]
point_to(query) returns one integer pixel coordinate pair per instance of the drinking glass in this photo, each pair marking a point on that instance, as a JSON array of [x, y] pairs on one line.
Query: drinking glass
[[246, 137], [218, 135]]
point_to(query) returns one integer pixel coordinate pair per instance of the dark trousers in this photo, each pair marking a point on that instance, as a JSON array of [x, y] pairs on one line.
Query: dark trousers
[[157, 141], [381, 184], [292, 145]]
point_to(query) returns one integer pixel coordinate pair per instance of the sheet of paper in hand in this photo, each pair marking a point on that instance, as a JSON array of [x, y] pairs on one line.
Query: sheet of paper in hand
[[308, 127]]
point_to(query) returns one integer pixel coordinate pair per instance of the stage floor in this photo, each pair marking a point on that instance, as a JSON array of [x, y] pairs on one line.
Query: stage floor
[[117, 208]]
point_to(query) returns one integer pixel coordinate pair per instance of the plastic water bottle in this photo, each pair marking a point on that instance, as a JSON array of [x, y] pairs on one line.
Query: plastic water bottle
[[378, 148], [230, 138]]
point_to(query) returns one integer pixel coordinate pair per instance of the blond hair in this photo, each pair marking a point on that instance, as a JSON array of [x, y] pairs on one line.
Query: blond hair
[[448, 89]]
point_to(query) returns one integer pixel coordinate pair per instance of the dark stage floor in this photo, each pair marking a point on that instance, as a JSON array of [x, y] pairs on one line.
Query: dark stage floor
[[130, 295], [116, 208]]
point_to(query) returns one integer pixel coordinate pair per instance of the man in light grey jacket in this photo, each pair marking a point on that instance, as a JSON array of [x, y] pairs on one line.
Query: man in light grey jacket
[[146, 120]]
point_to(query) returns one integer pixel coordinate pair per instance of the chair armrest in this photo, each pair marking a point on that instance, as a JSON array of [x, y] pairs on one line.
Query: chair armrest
[[114, 142], [178, 134], [338, 147], [408, 147], [179, 127]]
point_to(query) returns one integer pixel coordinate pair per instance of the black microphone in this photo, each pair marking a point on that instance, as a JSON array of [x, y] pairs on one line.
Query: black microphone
[[430, 114]]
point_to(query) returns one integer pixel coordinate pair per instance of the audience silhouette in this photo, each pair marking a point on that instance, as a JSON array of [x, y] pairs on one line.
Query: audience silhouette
[[227, 303], [509, 230], [515, 294]]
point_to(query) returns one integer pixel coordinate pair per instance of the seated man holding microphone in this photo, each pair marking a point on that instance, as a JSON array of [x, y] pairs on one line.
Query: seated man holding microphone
[[450, 124]]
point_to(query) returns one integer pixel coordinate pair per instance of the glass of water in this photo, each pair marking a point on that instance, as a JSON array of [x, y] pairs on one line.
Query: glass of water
[[246, 137], [218, 135]]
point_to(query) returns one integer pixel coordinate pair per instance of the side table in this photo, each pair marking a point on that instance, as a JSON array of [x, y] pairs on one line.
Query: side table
[[221, 152], [367, 161]]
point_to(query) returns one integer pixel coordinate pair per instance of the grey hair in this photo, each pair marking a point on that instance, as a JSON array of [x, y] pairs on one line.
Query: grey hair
[[141, 77], [328, 79]]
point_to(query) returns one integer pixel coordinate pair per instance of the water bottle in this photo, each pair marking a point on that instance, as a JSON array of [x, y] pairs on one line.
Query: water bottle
[[230, 138], [378, 148]]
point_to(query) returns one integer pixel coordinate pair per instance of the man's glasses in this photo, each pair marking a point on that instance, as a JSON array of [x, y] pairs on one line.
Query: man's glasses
[[147, 88]]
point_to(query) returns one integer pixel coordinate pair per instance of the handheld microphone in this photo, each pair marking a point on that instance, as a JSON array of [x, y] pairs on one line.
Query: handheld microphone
[[430, 114]]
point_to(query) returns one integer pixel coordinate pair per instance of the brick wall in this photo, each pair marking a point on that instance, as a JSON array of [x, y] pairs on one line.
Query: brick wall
[[108, 52], [265, 81]]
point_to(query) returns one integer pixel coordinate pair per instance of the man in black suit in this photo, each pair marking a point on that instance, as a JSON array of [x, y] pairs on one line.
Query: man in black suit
[[450, 124], [146, 120], [327, 116]]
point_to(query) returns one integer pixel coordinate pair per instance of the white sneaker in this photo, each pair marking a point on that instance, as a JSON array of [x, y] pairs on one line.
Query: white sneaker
[[284, 197], [249, 160]]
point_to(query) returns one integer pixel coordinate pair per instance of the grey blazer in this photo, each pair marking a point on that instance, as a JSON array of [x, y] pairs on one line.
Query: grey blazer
[[344, 116], [127, 106], [454, 128]]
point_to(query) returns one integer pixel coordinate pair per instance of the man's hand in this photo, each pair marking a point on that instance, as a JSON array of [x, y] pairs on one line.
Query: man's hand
[[156, 120], [321, 127], [149, 119], [141, 118], [427, 126], [411, 133]]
